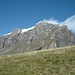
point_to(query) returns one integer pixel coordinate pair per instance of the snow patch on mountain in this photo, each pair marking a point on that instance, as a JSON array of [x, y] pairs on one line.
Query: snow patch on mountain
[[15, 31], [25, 30], [7, 34]]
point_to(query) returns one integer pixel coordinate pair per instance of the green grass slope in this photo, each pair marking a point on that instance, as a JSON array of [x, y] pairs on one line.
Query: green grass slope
[[59, 61]]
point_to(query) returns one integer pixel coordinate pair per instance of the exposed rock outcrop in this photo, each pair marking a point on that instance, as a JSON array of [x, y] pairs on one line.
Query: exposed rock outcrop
[[43, 36]]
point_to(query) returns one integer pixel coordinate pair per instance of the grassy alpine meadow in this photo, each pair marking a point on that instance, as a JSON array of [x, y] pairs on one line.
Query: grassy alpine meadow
[[58, 61]]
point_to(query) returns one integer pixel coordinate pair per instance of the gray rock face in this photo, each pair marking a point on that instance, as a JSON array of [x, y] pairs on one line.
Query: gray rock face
[[43, 36]]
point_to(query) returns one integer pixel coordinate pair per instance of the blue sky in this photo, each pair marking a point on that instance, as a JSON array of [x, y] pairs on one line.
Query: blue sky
[[26, 13]]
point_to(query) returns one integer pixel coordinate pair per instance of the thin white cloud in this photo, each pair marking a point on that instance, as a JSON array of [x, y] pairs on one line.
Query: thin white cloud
[[52, 20], [69, 22]]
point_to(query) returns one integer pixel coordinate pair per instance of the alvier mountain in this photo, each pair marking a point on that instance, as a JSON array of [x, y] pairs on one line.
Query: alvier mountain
[[42, 36]]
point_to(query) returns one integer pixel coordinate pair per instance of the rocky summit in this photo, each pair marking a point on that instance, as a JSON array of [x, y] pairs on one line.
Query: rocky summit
[[42, 36]]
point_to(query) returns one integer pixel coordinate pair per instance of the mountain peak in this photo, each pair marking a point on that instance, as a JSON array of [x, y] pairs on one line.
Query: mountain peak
[[42, 36], [16, 30], [41, 22]]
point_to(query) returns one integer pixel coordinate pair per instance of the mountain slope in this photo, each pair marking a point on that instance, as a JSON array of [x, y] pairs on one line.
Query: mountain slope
[[42, 36], [58, 61]]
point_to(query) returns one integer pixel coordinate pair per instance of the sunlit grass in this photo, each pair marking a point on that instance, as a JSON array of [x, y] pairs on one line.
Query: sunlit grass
[[59, 61]]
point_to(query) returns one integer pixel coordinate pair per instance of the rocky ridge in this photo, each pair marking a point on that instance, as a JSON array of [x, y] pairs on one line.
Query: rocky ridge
[[42, 36]]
